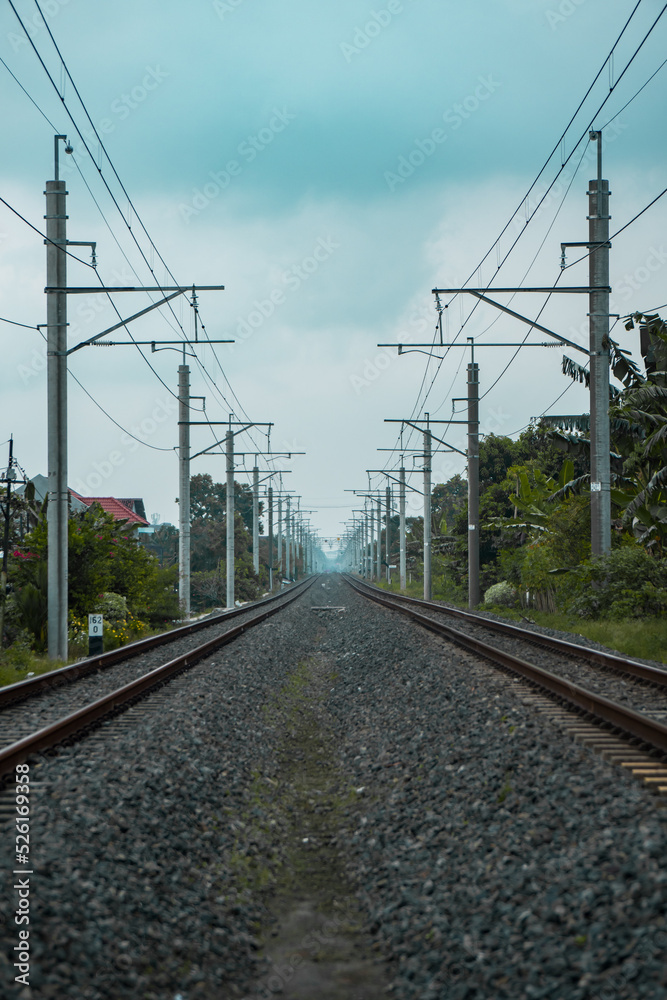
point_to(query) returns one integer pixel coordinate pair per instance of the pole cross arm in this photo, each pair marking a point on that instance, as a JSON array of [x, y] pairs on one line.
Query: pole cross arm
[[449, 447], [178, 289], [123, 322], [399, 481], [531, 322], [152, 343], [511, 291]]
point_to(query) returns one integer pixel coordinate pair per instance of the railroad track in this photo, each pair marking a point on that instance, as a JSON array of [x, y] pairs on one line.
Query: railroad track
[[65, 716], [632, 735]]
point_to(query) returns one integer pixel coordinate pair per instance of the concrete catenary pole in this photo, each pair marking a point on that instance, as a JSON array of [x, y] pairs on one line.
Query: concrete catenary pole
[[229, 449], [255, 518], [5, 543], [58, 496], [270, 502], [379, 539], [401, 511], [473, 484], [598, 234], [184, 488], [387, 533], [280, 535], [427, 512], [371, 538], [287, 538]]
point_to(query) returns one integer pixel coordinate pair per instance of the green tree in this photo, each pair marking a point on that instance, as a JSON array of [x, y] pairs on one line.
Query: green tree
[[104, 556]]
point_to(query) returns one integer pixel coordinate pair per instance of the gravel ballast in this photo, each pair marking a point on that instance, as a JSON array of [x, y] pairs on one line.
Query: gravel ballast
[[491, 857]]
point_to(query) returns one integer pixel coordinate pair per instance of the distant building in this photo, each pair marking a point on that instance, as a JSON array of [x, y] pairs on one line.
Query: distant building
[[119, 509], [132, 510]]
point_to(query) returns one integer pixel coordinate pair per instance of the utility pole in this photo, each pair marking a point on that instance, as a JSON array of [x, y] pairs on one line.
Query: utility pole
[[8, 480], [401, 486], [280, 535], [428, 448], [270, 502], [371, 536], [379, 542], [184, 424], [287, 539], [255, 518], [429, 437], [229, 514], [401, 511], [598, 235], [473, 484], [184, 487], [57, 291], [387, 543], [58, 495], [598, 291]]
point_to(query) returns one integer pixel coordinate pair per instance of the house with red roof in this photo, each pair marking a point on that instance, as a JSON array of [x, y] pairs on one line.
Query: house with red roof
[[131, 510], [119, 509]]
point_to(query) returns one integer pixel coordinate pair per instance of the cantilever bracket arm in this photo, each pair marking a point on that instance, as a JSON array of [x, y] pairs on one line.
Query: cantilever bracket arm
[[530, 322], [406, 484], [123, 322]]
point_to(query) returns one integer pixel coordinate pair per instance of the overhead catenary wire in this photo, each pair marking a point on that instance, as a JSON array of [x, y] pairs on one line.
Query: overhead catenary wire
[[621, 230], [13, 322], [613, 86], [132, 208], [102, 148], [43, 235], [99, 405]]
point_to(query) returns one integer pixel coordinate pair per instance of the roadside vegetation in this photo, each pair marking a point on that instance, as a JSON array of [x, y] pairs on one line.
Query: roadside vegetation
[[535, 553]]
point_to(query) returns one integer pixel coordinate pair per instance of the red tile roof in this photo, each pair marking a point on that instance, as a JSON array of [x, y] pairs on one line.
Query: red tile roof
[[116, 508]]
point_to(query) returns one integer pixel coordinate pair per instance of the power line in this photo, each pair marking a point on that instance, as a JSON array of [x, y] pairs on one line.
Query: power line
[[99, 170], [16, 79], [43, 235], [97, 404], [13, 322], [621, 230], [123, 188], [628, 103], [563, 164]]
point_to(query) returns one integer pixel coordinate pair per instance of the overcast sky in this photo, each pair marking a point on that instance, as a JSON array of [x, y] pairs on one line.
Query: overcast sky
[[329, 164]]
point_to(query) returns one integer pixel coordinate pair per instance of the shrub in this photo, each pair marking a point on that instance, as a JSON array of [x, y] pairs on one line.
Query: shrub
[[502, 595], [624, 583]]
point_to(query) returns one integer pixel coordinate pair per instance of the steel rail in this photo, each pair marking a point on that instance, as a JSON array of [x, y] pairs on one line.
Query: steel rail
[[596, 656], [66, 727], [21, 690], [632, 723]]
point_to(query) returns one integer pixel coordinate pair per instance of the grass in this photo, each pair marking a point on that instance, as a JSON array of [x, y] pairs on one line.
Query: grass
[[17, 661], [642, 638], [14, 667]]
